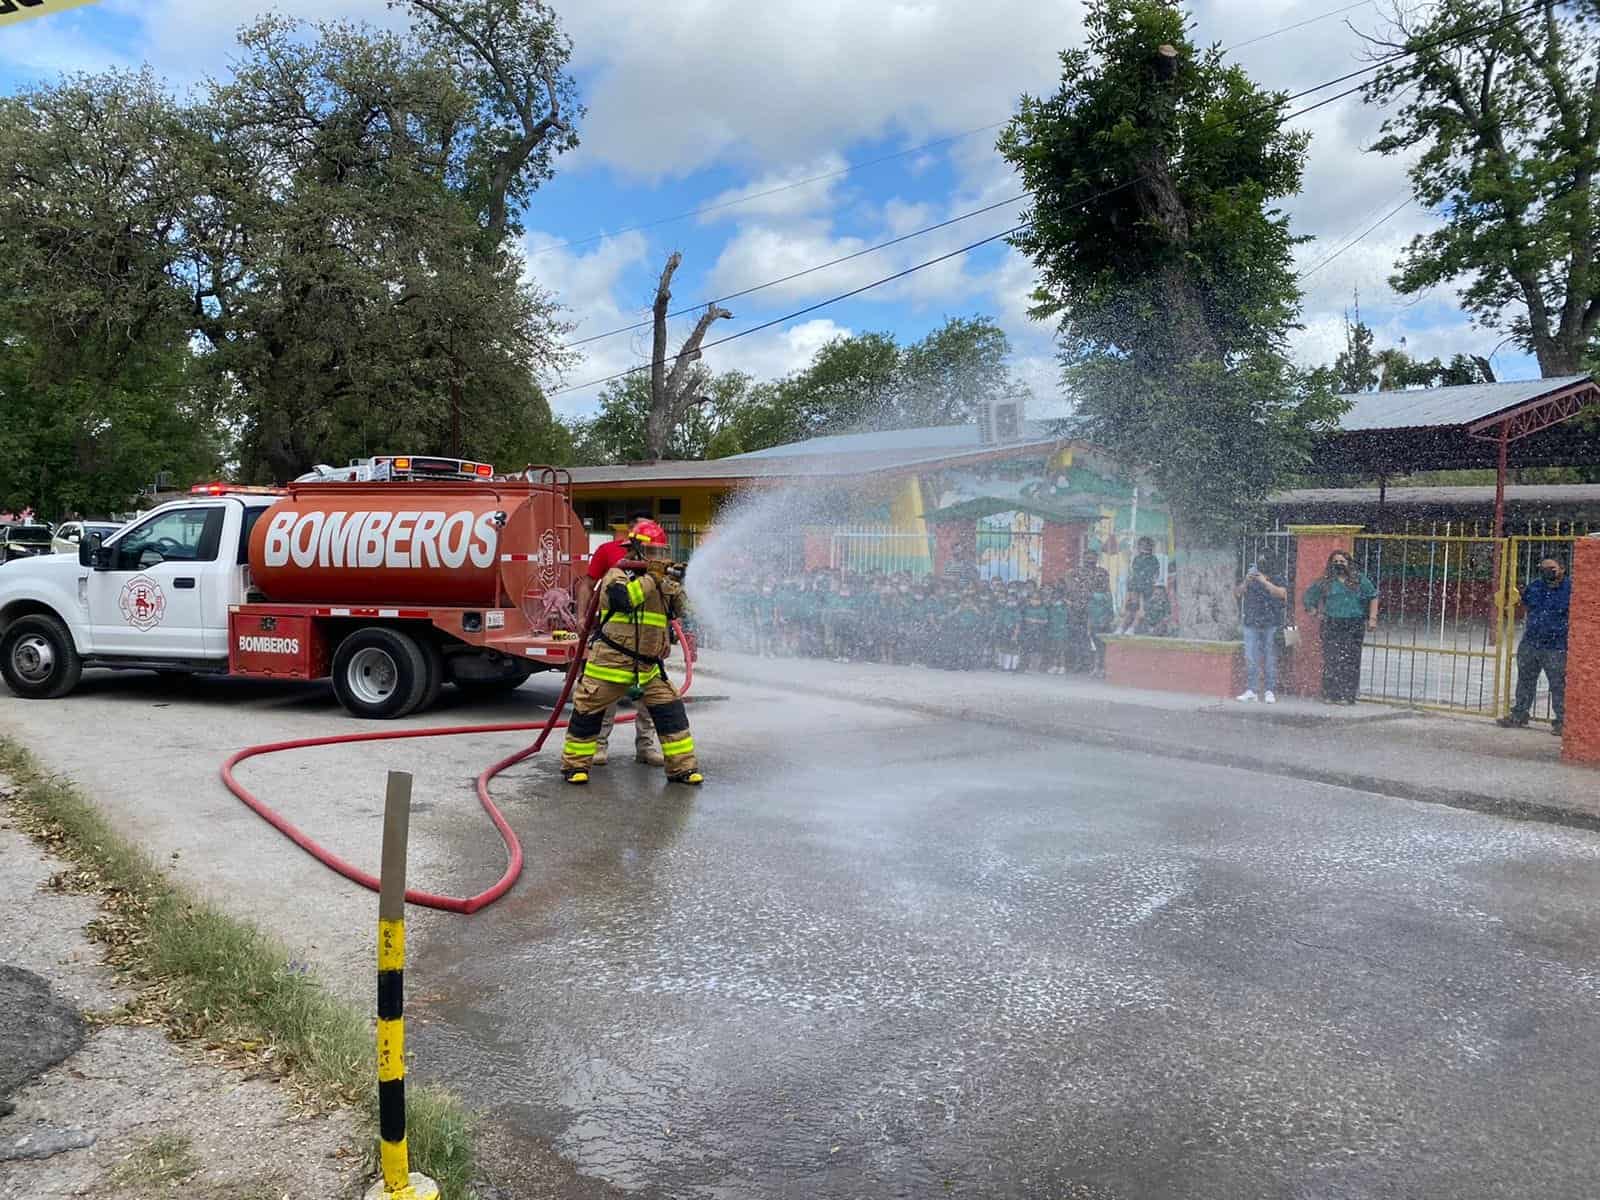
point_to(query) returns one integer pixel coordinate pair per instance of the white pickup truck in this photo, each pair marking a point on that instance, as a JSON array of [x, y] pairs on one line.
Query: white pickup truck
[[177, 591]]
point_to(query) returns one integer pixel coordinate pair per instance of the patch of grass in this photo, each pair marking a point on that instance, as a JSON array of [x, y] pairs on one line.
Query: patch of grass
[[165, 1158], [207, 975]]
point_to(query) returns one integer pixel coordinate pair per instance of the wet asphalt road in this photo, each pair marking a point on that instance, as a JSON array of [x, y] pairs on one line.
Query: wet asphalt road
[[882, 956]]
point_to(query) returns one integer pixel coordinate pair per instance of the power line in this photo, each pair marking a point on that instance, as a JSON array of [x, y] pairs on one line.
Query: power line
[[1371, 229], [872, 162], [772, 191], [810, 308], [833, 262], [866, 287], [1297, 25], [698, 305]]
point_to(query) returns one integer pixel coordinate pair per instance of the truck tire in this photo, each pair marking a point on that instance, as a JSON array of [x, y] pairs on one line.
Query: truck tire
[[38, 659], [435, 661], [380, 673]]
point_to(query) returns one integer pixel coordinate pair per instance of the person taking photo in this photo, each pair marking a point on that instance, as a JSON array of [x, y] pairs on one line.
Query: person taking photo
[[1347, 601], [1262, 597]]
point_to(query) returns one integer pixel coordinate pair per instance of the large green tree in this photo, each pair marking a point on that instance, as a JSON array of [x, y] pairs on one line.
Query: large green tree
[[1154, 170], [354, 271], [323, 242], [1359, 367], [870, 381], [1504, 130], [99, 392], [620, 431]]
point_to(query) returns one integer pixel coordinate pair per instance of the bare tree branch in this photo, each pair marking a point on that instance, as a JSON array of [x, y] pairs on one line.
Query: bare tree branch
[[672, 393]]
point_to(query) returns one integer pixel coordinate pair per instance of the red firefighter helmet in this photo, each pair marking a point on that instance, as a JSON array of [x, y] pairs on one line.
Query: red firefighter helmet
[[648, 533]]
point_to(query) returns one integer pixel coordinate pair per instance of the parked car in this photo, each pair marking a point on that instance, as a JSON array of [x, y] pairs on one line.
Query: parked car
[[24, 541], [69, 533]]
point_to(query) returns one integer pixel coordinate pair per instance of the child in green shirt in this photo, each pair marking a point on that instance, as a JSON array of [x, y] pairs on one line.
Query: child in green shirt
[[1035, 623]]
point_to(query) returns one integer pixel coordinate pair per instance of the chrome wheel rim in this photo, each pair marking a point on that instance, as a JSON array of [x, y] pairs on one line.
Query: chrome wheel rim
[[372, 675], [33, 658]]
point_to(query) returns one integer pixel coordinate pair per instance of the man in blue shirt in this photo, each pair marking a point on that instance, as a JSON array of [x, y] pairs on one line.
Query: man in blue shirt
[[1544, 644]]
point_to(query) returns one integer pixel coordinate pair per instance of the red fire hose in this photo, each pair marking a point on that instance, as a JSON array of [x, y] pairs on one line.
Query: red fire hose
[[459, 904]]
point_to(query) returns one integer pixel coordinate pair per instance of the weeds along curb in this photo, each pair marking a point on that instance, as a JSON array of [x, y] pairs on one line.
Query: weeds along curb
[[203, 973]]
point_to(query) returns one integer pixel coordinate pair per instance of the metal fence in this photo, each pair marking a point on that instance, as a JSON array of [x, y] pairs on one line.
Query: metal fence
[[879, 549], [1438, 641], [1447, 625], [1276, 547], [1447, 608]]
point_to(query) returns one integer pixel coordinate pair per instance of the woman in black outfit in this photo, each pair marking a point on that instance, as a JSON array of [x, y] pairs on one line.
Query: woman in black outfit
[[1348, 603]]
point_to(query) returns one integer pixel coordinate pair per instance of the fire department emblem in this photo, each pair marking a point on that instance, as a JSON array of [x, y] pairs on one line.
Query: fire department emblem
[[547, 557], [143, 602]]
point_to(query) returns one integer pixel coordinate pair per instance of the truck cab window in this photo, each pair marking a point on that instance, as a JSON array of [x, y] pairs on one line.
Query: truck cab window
[[251, 516], [182, 535]]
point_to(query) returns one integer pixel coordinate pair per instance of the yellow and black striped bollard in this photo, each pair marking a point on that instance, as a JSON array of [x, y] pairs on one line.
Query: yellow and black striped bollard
[[399, 1181]]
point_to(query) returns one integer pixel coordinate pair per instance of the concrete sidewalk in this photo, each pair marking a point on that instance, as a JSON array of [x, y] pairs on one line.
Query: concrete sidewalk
[[1460, 761]]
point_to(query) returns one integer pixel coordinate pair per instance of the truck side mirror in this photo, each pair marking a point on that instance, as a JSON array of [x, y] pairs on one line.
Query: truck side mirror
[[91, 554]]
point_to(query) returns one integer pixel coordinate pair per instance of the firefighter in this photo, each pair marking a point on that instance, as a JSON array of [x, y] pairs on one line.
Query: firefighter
[[625, 656], [646, 749]]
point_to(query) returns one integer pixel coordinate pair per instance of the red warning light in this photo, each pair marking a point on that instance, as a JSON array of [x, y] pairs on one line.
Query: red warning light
[[485, 470]]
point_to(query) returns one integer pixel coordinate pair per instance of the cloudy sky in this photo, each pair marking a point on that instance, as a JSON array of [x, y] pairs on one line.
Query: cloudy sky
[[697, 103]]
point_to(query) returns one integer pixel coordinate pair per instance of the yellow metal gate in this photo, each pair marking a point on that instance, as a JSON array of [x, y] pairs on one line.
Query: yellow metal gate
[[1524, 553], [1447, 617], [1439, 641]]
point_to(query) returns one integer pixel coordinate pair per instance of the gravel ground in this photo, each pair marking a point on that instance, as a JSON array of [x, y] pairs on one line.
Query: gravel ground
[[128, 1085]]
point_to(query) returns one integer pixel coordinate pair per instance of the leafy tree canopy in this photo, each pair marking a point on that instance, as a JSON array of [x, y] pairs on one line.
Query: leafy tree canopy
[[322, 242], [1164, 263], [1361, 368], [1504, 127]]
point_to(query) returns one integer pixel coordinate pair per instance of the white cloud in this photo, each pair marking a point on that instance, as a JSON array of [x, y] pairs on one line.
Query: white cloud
[[806, 191], [679, 86], [791, 88], [787, 349]]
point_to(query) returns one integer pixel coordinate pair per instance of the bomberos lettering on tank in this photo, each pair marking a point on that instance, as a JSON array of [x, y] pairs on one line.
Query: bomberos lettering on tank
[[402, 541]]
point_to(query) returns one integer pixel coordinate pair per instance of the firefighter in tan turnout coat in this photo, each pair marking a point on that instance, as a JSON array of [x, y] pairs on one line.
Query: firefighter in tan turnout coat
[[625, 659]]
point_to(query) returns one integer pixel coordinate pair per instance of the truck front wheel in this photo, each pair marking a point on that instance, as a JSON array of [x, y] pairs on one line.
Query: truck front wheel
[[380, 673], [38, 659]]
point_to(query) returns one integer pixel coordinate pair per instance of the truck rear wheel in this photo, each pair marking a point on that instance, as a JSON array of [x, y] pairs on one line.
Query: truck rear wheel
[[38, 659], [435, 660], [380, 673]]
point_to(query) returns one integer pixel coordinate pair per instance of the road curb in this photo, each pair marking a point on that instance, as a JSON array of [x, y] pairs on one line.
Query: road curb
[[1500, 806]]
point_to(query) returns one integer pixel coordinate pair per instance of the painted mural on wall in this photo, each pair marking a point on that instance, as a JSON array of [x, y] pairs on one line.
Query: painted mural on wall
[[1010, 545], [1078, 485]]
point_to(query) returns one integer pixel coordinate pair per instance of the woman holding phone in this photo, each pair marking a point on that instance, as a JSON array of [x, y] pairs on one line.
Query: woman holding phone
[[1347, 601]]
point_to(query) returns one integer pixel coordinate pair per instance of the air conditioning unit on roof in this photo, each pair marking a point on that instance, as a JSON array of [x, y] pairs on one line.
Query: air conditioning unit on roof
[[1002, 421]]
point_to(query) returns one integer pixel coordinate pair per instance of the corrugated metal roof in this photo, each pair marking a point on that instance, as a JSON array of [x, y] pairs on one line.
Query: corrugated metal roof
[[895, 441], [1516, 493], [844, 455], [1444, 406]]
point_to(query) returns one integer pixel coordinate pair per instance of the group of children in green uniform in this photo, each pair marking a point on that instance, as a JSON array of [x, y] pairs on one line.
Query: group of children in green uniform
[[948, 624]]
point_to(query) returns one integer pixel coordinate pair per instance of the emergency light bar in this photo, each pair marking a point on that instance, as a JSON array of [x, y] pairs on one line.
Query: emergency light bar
[[226, 489], [385, 468], [411, 466]]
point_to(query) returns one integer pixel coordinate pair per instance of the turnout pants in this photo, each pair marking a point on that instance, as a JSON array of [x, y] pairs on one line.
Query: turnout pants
[[1530, 661], [594, 696]]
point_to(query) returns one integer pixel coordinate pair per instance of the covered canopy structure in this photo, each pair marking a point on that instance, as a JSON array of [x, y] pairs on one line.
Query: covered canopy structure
[[1531, 423]]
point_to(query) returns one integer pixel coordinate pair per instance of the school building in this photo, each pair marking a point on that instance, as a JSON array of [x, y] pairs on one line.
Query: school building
[[957, 499]]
